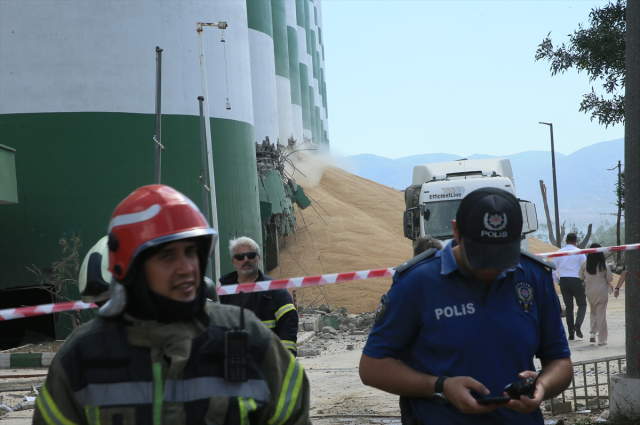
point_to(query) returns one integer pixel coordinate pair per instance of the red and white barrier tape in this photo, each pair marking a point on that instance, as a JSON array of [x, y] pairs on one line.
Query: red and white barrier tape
[[267, 285], [39, 310], [300, 282], [589, 251]]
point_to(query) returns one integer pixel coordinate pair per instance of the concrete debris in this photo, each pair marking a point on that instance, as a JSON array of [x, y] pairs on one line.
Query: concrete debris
[[5, 408], [329, 330], [325, 323], [308, 351], [593, 403], [604, 417], [26, 404]]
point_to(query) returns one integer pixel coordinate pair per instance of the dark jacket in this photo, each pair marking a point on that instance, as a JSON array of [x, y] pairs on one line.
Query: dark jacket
[[144, 372], [275, 308]]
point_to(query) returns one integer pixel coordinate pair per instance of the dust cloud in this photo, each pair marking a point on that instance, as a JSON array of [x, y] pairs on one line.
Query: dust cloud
[[307, 167]]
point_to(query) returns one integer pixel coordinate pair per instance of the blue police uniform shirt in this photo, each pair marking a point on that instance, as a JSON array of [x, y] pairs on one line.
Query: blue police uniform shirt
[[442, 322]]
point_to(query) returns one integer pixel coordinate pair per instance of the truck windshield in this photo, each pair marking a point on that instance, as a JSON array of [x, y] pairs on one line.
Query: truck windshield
[[437, 218]]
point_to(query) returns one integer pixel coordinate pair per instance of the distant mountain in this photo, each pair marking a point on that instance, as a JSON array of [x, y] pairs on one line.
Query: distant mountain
[[585, 186]]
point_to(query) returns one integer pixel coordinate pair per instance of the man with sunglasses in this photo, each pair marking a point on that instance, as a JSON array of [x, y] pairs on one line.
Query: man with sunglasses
[[275, 308]]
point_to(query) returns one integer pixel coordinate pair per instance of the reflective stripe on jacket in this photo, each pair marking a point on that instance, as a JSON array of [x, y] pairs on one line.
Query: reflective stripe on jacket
[[140, 372], [274, 308]]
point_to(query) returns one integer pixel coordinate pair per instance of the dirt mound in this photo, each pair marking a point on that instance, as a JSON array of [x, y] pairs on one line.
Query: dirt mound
[[353, 224]]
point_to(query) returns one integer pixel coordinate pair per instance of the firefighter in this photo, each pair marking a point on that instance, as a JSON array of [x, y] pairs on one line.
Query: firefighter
[[274, 308], [95, 276], [158, 353]]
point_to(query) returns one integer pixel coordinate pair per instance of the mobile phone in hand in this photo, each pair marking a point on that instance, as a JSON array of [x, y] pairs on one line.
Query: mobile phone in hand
[[493, 400]]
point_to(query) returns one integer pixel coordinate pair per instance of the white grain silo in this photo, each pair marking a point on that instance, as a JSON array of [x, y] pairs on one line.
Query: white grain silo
[[294, 70], [281, 56], [77, 101], [263, 70]]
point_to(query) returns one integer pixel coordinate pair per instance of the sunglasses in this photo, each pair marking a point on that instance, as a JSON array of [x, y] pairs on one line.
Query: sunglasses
[[249, 255]]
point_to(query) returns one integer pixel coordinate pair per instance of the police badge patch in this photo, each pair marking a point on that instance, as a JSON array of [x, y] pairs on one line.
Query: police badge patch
[[524, 295], [381, 308]]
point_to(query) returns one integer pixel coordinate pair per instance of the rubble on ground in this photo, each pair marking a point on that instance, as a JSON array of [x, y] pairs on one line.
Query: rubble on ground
[[332, 330]]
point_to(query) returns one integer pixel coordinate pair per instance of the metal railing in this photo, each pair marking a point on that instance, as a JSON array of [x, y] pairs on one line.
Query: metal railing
[[596, 377]]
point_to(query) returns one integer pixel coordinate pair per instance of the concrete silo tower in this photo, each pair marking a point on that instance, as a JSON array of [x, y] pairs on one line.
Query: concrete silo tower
[[77, 102], [263, 70], [322, 82], [303, 56], [294, 70], [283, 83]]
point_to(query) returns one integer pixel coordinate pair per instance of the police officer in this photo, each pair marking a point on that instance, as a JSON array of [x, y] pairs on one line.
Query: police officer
[[159, 353], [275, 308], [468, 321]]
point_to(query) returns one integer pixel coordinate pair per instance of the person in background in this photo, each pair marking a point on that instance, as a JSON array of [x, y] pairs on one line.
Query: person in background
[[275, 308], [566, 274], [597, 282], [623, 276]]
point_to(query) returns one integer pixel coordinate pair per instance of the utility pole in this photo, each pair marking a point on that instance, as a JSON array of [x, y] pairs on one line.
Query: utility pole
[[618, 242], [625, 388], [157, 138], [555, 186], [632, 188]]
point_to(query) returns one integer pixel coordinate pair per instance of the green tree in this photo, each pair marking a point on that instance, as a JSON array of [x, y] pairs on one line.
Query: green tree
[[598, 49]]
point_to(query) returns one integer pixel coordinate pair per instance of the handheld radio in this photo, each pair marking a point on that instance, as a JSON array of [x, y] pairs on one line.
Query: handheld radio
[[236, 345]]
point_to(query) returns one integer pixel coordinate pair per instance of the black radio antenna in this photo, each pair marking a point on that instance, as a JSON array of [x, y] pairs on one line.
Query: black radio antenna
[[241, 310]]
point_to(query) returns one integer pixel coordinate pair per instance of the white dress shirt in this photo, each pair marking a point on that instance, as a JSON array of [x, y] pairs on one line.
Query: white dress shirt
[[568, 266]]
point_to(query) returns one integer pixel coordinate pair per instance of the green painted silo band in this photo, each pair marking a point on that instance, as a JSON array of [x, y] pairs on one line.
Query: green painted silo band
[[300, 12], [259, 16], [326, 104], [314, 54], [8, 181], [312, 113], [236, 184], [321, 88], [304, 94], [294, 65], [318, 124], [302, 201], [280, 43], [307, 25]]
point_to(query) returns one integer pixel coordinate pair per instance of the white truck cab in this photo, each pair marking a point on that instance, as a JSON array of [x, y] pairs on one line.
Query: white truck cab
[[437, 190]]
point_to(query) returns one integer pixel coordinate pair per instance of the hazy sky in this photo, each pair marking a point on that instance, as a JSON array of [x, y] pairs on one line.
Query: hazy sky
[[413, 77]]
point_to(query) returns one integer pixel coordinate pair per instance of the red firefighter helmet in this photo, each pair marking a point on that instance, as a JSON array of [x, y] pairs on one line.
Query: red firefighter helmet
[[150, 216]]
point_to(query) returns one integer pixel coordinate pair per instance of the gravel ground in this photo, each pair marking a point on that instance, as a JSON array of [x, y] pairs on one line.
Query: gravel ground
[[44, 347]]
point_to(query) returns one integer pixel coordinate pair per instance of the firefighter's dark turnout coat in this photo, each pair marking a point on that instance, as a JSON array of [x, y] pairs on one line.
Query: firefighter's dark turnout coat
[[274, 308], [144, 372]]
